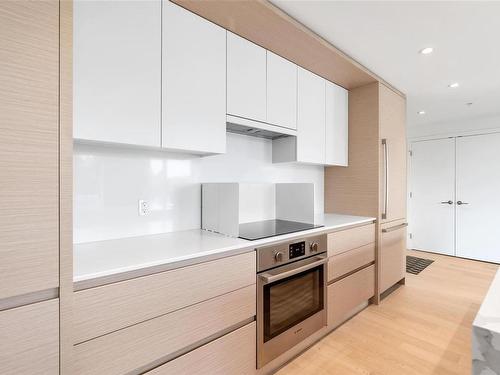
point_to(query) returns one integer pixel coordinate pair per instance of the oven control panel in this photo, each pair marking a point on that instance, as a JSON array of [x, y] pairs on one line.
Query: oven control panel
[[296, 249], [289, 251]]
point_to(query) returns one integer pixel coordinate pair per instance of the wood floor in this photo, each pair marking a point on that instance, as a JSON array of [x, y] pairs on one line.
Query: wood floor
[[422, 328]]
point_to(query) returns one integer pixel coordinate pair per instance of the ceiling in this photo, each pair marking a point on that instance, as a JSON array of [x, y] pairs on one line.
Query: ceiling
[[386, 37]]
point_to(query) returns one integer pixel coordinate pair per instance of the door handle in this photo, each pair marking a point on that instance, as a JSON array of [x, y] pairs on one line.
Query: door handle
[[447, 202], [386, 178], [460, 203]]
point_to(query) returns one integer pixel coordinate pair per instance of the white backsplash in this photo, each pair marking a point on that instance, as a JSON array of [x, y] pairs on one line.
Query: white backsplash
[[109, 181]]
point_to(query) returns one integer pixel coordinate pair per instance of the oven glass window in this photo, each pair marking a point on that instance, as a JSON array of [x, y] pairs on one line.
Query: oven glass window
[[292, 300]]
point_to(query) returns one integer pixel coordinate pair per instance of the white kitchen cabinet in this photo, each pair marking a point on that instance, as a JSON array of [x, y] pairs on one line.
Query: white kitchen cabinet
[[117, 71], [310, 118], [281, 91], [336, 126], [309, 144], [246, 78], [194, 82]]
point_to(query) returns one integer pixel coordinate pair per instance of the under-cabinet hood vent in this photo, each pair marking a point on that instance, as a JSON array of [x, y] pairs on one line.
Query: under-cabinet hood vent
[[258, 129]]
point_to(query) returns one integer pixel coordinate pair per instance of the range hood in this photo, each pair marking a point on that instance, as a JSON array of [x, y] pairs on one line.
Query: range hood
[[240, 125]]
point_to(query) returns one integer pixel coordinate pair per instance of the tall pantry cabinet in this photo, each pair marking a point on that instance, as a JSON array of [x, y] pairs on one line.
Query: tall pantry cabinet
[[35, 183], [374, 183]]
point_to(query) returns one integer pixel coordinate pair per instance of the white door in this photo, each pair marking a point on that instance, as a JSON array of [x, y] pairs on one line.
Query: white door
[[310, 118], [336, 125], [117, 71], [281, 91], [246, 78], [478, 187], [432, 218], [194, 82]]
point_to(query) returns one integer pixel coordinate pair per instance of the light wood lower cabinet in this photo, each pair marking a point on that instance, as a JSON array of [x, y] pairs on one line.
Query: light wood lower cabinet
[[392, 254], [342, 264], [233, 353], [156, 340], [345, 295], [107, 308], [348, 239], [29, 339]]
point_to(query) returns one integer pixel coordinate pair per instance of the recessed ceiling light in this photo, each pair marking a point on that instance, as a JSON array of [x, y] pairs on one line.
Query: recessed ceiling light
[[421, 112], [426, 50], [453, 85]]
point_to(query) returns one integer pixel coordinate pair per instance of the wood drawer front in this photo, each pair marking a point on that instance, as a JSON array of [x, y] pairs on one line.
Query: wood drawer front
[[107, 308], [346, 294], [233, 353], [142, 344], [392, 255], [29, 339], [341, 264], [345, 240]]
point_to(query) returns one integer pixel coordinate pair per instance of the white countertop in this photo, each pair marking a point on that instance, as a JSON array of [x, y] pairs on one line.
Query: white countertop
[[136, 256], [488, 316], [486, 333]]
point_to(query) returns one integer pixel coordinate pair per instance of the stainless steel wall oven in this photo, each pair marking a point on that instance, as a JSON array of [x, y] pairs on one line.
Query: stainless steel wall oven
[[291, 294]]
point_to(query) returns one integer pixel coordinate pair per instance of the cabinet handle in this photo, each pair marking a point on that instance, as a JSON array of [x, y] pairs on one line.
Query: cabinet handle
[[460, 203], [396, 227], [386, 178], [447, 202]]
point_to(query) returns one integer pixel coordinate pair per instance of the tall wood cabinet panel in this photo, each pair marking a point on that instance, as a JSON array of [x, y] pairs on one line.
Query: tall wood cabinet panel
[[336, 125], [281, 91], [117, 71], [310, 118], [246, 78], [393, 133], [194, 82], [29, 339], [29, 180]]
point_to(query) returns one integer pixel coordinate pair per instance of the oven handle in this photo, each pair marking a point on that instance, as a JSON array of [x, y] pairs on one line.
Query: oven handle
[[268, 278]]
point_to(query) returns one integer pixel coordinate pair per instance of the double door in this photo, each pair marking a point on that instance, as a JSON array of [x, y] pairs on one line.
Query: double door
[[454, 199]]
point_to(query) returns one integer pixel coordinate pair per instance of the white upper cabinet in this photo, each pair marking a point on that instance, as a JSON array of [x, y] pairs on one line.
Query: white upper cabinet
[[194, 82], [246, 79], [310, 118], [336, 129], [281, 91], [117, 71]]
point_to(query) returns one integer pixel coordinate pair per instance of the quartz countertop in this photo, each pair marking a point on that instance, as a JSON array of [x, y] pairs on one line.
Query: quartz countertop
[[486, 333], [102, 262]]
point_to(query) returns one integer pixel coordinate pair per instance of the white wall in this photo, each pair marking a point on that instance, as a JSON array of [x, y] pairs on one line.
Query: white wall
[[109, 181], [453, 128]]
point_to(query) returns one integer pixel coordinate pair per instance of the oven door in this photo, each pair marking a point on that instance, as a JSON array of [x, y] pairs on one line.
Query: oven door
[[291, 302]]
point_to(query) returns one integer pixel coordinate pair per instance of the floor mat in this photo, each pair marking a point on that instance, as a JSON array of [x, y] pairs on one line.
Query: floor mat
[[416, 265]]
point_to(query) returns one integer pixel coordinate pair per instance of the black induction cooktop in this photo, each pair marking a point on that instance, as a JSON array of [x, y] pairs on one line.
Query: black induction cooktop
[[270, 228]]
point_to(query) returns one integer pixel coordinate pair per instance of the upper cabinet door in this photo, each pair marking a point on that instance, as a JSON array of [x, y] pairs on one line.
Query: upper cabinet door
[[194, 82], [310, 118], [336, 125], [246, 78], [281, 91], [117, 71]]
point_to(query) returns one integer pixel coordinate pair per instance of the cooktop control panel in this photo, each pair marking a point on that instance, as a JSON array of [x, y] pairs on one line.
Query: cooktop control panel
[[296, 249], [289, 251]]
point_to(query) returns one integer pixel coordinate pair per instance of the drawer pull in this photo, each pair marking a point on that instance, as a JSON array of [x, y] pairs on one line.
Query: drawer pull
[[396, 227]]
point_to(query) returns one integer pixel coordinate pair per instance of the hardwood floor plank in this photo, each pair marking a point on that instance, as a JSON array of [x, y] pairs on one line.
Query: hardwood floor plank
[[423, 327]]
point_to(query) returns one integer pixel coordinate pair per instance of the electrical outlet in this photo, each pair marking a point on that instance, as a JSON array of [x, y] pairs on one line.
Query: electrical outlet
[[143, 207]]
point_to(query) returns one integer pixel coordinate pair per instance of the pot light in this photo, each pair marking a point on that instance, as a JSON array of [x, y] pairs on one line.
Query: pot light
[[421, 112], [453, 85], [426, 50]]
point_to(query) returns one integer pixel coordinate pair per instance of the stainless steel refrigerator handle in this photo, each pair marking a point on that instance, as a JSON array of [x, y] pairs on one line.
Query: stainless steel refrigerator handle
[[396, 227], [268, 278], [386, 178]]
